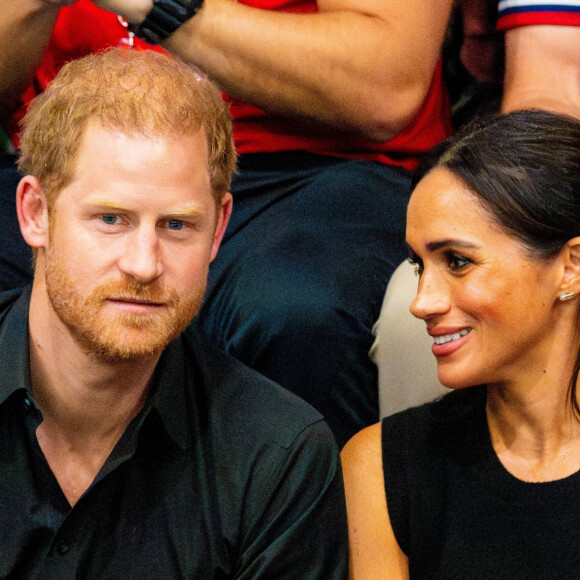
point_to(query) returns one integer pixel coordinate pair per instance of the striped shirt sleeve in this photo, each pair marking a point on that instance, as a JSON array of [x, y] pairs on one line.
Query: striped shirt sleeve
[[514, 13]]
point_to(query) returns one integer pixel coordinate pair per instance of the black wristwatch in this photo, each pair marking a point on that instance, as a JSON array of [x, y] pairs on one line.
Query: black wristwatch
[[165, 17]]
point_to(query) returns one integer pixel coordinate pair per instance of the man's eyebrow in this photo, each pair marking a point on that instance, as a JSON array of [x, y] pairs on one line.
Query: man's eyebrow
[[105, 204], [185, 212], [193, 211]]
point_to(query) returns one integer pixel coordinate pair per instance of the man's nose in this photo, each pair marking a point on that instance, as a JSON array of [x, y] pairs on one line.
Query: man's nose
[[142, 256]]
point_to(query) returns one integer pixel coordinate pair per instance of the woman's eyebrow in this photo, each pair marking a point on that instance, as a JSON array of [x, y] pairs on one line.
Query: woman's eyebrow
[[433, 246]]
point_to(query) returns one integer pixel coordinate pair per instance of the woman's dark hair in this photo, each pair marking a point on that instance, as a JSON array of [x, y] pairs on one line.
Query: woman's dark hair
[[524, 168]]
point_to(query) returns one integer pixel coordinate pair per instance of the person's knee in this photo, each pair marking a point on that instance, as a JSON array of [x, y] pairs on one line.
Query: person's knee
[[308, 309]]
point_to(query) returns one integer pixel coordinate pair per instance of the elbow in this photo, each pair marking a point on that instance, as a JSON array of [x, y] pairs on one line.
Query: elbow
[[388, 114], [384, 127]]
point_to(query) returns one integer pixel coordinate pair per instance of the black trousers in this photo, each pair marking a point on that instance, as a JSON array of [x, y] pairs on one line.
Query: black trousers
[[301, 274]]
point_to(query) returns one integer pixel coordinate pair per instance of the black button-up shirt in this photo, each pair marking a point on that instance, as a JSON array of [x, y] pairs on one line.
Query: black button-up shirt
[[222, 475]]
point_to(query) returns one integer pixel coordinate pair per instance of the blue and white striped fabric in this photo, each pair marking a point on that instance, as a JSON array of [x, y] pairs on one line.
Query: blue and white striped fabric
[[512, 13]]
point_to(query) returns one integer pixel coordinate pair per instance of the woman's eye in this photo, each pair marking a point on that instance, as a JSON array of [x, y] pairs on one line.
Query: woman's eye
[[110, 219], [457, 261]]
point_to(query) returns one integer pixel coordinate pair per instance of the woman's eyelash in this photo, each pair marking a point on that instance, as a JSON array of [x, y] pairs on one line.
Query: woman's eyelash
[[457, 261], [417, 265]]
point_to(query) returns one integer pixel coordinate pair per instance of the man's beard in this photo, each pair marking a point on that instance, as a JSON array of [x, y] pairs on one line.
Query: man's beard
[[117, 336]]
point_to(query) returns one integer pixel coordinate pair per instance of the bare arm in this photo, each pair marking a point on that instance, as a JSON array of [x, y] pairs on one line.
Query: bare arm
[[543, 69], [25, 28], [374, 551], [362, 66]]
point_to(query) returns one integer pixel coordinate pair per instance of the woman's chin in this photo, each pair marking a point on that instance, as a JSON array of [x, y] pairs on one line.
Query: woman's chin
[[456, 381]]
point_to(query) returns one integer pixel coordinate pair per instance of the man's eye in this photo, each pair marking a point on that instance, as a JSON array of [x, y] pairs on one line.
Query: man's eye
[[110, 219], [175, 225]]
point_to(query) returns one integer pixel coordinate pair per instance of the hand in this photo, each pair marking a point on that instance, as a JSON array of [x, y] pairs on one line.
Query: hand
[[133, 11]]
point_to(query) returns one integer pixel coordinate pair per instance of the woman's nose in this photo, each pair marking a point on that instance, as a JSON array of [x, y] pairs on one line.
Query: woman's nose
[[432, 296]]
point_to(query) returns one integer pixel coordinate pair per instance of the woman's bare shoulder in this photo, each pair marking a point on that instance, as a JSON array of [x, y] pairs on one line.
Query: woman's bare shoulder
[[374, 551]]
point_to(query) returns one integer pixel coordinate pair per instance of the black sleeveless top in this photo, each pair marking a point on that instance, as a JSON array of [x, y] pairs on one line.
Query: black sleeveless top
[[458, 514]]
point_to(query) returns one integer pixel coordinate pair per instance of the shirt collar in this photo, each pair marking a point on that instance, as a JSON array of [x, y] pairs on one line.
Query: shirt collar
[[168, 393], [14, 344], [170, 380]]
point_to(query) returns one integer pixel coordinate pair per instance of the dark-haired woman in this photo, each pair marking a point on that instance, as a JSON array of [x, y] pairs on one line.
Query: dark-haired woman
[[485, 483]]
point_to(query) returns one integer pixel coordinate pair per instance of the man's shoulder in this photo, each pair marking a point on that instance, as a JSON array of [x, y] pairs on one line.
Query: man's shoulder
[[14, 365], [245, 401], [7, 300]]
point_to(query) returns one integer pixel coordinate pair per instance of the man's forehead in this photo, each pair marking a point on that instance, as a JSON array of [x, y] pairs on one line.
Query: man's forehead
[[97, 129], [168, 175]]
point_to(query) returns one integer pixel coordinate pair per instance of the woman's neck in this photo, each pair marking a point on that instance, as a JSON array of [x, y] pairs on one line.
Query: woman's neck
[[534, 431]]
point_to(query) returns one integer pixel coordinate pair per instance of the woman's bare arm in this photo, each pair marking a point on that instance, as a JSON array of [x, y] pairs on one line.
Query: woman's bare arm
[[374, 551]]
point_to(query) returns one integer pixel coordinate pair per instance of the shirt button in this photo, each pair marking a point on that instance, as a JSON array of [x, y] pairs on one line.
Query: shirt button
[[62, 549]]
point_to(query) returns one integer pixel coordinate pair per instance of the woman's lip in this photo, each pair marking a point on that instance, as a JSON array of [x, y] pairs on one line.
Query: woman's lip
[[447, 341], [444, 330]]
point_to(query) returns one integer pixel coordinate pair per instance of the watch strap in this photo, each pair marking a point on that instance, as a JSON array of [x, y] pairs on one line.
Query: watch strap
[[165, 17]]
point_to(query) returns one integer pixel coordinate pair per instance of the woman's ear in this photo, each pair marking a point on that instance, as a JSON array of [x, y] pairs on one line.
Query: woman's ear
[[32, 212], [571, 256]]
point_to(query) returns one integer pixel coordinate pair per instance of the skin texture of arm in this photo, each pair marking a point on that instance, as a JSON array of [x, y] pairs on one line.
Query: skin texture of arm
[[25, 28], [543, 69], [374, 551], [358, 66]]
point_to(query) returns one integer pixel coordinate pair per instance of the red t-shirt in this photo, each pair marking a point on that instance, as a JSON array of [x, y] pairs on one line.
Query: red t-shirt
[[80, 29], [256, 131], [83, 28]]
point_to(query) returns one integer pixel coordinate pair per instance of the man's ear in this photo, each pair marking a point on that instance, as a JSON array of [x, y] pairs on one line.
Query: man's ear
[[225, 211], [571, 256], [32, 212]]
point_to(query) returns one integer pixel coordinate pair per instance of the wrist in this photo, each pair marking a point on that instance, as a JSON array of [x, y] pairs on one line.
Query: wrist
[[60, 3], [164, 18], [133, 11]]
